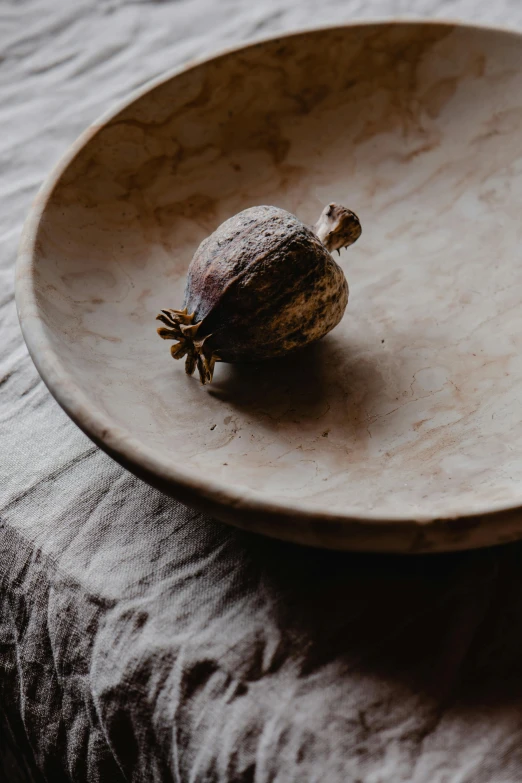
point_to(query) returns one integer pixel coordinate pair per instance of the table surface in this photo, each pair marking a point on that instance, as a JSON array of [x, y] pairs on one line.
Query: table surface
[[141, 641]]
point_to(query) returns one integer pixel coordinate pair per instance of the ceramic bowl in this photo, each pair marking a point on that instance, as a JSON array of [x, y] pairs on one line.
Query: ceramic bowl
[[401, 430]]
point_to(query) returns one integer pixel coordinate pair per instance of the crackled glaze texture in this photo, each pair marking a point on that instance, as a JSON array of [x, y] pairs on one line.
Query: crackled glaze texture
[[410, 411]]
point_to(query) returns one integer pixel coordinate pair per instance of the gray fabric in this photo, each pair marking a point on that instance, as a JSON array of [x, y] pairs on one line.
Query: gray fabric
[[140, 641]]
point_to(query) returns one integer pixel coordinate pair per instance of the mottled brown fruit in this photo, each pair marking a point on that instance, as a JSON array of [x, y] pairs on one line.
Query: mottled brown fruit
[[261, 285]]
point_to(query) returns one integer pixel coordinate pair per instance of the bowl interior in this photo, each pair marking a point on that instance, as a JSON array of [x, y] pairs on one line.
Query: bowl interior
[[411, 407]]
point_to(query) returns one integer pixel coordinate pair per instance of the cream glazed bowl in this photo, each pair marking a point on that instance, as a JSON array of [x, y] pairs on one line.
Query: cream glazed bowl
[[402, 429]]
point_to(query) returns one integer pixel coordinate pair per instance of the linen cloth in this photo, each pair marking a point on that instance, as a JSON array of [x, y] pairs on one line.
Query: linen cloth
[[142, 641]]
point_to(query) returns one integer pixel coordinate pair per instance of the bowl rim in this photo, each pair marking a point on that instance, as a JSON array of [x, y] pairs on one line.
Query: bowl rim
[[129, 450]]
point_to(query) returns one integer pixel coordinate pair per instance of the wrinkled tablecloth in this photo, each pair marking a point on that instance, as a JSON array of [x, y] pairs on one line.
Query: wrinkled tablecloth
[[141, 641]]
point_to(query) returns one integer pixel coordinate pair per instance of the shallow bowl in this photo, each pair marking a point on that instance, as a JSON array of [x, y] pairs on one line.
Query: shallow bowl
[[400, 431]]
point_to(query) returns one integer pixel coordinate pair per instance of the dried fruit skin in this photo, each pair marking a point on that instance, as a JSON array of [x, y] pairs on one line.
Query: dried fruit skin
[[261, 285]]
